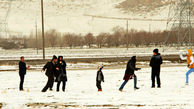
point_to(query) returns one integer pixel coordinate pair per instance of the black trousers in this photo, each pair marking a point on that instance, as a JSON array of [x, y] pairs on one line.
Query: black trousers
[[49, 83], [21, 82], [156, 75], [98, 84], [51, 86], [63, 87]]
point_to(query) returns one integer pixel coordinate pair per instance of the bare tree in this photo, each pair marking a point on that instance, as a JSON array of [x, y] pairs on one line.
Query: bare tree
[[118, 33], [108, 40], [69, 39], [89, 39], [100, 39], [78, 40], [51, 37], [118, 38]]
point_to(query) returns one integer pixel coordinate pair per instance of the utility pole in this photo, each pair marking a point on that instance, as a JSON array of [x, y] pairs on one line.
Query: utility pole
[[127, 34], [36, 37], [43, 41], [149, 28]]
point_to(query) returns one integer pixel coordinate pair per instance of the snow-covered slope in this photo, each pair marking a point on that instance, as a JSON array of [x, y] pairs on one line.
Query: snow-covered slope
[[68, 16]]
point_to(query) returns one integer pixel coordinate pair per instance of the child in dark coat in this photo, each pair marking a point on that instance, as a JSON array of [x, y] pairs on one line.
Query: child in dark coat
[[99, 78]]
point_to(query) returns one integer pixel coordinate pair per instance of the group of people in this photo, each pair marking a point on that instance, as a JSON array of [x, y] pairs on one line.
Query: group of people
[[56, 71]]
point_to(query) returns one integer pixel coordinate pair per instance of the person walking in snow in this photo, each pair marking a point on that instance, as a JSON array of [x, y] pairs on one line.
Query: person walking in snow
[[190, 63], [50, 68], [129, 73], [99, 78], [22, 72], [62, 76], [155, 63]]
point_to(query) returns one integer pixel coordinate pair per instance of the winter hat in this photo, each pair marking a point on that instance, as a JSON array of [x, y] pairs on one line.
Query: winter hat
[[60, 57], [155, 50], [133, 57], [54, 57]]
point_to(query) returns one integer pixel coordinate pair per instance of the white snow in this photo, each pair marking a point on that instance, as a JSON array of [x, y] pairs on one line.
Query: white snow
[[87, 53], [81, 91], [8, 67], [68, 16]]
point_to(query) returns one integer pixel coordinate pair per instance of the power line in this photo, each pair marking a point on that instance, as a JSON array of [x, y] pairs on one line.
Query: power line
[[180, 22], [121, 18], [4, 22]]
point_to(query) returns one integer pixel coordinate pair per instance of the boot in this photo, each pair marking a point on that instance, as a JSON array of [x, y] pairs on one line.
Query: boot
[[136, 88], [99, 90], [135, 82]]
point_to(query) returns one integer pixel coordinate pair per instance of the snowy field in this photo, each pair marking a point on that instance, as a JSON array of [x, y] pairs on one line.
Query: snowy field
[[81, 92], [87, 53]]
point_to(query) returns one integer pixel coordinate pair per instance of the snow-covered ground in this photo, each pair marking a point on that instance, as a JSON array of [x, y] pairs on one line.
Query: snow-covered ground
[[86, 53], [70, 66], [82, 93]]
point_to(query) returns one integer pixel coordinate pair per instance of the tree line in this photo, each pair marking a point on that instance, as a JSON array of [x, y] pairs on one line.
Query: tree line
[[118, 38]]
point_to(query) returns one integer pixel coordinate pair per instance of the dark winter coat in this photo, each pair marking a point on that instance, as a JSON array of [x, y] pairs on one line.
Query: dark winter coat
[[61, 74], [155, 63], [100, 76], [50, 68], [131, 67], [22, 68]]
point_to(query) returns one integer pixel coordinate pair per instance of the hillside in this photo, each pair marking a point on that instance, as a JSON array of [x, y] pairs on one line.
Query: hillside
[[68, 15], [142, 6]]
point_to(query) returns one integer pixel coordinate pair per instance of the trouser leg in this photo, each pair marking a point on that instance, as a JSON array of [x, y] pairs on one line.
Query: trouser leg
[[158, 79], [153, 79], [58, 85], [98, 84], [123, 85], [64, 85], [188, 73], [49, 84], [21, 82], [135, 81]]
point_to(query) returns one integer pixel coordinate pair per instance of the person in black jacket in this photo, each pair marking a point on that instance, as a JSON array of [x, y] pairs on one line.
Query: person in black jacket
[[62, 75], [22, 72], [129, 73], [50, 68], [155, 63], [99, 78]]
